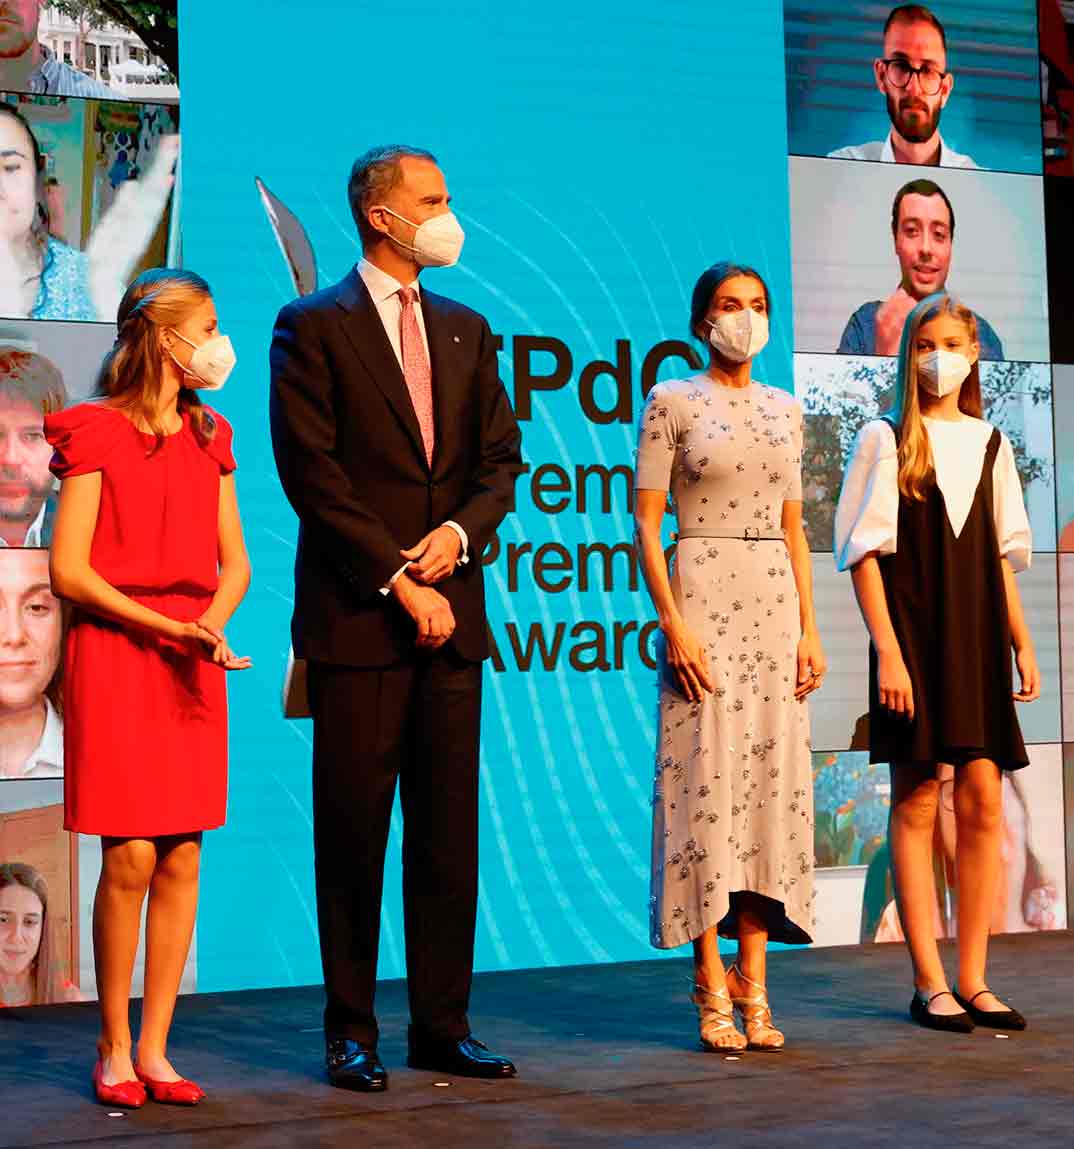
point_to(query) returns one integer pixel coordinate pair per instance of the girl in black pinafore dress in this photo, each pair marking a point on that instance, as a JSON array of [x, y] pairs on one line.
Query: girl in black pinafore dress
[[932, 525]]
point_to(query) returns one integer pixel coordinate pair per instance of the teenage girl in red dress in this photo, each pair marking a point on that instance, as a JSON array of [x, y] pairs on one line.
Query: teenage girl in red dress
[[148, 549]]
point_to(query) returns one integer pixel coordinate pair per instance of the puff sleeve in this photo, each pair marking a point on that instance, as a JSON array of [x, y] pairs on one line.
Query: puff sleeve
[[867, 517], [658, 438], [82, 438], [1009, 510], [220, 446]]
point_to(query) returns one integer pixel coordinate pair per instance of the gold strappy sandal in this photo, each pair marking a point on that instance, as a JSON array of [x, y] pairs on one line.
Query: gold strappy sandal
[[756, 1014], [716, 1017]]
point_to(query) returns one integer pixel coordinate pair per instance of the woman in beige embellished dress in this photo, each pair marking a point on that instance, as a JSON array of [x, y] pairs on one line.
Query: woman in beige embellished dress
[[733, 798]]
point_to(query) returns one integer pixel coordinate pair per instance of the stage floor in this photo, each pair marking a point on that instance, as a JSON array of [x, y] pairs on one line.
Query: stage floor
[[607, 1057]]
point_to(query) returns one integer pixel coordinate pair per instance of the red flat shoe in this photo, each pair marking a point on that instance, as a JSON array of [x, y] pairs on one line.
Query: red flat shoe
[[181, 1092], [127, 1094]]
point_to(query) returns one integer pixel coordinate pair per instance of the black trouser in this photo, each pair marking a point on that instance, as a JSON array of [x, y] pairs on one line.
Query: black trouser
[[420, 722]]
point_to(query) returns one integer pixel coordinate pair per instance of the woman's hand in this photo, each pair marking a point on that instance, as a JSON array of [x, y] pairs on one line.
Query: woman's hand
[[896, 690], [688, 660], [225, 657], [209, 641], [1029, 672], [811, 665]]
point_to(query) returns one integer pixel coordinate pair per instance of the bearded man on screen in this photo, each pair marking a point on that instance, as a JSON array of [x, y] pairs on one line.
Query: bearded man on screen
[[912, 74]]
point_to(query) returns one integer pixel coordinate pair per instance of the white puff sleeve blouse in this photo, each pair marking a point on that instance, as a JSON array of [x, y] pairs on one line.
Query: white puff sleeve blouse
[[867, 517]]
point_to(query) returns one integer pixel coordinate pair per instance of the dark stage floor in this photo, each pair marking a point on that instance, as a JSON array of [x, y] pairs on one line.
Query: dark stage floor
[[607, 1056]]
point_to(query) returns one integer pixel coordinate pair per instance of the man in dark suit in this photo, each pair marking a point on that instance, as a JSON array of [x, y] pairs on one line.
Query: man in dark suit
[[398, 449]]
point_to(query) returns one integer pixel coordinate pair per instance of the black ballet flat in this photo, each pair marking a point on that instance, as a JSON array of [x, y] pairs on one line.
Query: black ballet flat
[[948, 1023], [990, 1018]]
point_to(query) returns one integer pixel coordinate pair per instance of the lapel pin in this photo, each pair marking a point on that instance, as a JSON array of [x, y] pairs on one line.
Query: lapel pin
[[455, 338]]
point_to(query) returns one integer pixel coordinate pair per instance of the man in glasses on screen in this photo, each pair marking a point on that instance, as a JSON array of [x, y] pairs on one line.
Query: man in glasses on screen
[[28, 66], [915, 81], [30, 385]]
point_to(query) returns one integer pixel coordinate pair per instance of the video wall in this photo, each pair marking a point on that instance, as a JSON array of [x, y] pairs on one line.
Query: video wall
[[89, 123], [599, 158], [916, 164]]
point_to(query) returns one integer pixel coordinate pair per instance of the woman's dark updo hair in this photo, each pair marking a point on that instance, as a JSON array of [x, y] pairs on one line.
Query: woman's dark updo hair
[[710, 280]]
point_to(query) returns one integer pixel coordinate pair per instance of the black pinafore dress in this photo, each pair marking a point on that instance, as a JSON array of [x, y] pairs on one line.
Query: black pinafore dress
[[948, 607]]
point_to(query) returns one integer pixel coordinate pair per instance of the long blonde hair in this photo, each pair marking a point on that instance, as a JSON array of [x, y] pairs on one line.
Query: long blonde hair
[[916, 472], [132, 373]]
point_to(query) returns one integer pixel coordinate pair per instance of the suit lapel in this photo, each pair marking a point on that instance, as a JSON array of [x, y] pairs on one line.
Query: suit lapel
[[366, 333]]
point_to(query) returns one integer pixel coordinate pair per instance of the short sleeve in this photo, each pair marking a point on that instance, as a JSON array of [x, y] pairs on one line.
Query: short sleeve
[[1009, 510], [658, 438], [867, 517], [220, 446], [83, 437], [793, 493]]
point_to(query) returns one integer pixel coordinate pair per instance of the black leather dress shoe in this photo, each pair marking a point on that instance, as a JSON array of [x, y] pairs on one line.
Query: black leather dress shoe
[[351, 1065], [466, 1058]]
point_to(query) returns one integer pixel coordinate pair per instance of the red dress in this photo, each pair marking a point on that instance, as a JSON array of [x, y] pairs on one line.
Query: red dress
[[145, 717]]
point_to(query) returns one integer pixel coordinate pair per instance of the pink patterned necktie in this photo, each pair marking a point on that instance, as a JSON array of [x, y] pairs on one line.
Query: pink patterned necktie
[[416, 370]]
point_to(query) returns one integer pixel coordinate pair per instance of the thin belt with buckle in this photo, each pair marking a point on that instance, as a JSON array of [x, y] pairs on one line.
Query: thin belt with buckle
[[747, 534]]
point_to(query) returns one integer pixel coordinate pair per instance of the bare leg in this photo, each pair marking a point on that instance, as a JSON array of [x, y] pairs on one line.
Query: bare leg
[[752, 952], [126, 868], [979, 817], [173, 903], [746, 980], [915, 797], [708, 968], [710, 997]]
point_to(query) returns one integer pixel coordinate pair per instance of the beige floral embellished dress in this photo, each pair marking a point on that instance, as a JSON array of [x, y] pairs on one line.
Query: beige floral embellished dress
[[733, 793]]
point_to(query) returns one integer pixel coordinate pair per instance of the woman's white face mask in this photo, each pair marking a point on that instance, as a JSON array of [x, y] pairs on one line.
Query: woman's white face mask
[[739, 335]]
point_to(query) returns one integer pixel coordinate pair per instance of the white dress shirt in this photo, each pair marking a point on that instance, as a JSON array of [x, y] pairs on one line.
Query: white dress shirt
[[46, 758], [884, 152], [867, 518], [384, 291]]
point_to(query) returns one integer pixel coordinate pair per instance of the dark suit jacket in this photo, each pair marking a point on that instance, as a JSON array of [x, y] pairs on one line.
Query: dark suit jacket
[[349, 454]]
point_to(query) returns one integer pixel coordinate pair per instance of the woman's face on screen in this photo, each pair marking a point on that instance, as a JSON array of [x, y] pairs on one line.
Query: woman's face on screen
[[22, 919], [30, 628], [18, 179]]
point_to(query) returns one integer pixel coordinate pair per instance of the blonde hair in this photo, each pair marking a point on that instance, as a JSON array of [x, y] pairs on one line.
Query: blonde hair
[[916, 472], [132, 372]]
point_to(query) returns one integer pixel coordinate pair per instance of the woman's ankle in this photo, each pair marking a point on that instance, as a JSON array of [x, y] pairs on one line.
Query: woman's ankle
[[709, 978], [108, 1048]]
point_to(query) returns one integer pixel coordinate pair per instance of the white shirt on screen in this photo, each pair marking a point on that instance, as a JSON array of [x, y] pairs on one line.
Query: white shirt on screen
[[33, 531], [384, 291], [884, 152], [867, 518], [46, 758]]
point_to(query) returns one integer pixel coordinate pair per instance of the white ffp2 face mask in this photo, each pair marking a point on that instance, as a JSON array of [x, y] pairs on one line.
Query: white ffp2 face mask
[[941, 372], [739, 335], [211, 363], [437, 241]]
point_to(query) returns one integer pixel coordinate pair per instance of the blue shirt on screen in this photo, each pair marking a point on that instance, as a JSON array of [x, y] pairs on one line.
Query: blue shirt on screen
[[64, 292], [859, 338], [53, 77]]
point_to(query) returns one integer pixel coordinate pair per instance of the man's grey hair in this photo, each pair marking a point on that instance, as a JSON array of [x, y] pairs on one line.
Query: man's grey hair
[[373, 175]]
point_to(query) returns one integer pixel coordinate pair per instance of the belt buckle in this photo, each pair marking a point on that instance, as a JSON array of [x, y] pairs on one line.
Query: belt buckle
[[752, 538]]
